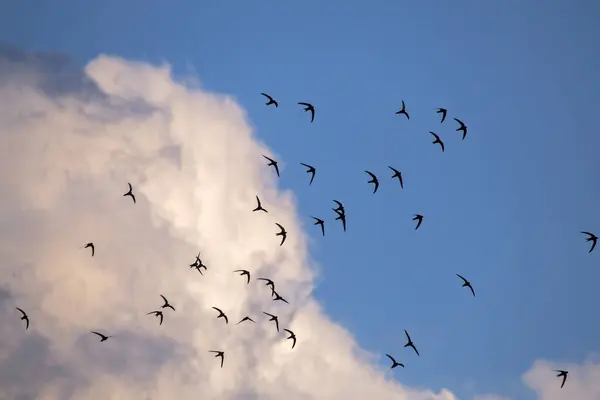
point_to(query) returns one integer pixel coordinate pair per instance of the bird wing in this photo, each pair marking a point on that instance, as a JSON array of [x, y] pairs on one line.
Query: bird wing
[[588, 233], [270, 159], [435, 135], [219, 310], [371, 175], [267, 96], [270, 315], [472, 290], [391, 358], [130, 187], [280, 227], [22, 312], [304, 104], [98, 333], [290, 332], [165, 299], [461, 277], [407, 335]]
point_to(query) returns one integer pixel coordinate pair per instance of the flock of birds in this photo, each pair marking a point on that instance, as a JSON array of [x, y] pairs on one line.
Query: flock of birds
[[340, 216]]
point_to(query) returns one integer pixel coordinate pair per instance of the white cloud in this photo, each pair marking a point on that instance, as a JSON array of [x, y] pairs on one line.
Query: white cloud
[[583, 381], [65, 159]]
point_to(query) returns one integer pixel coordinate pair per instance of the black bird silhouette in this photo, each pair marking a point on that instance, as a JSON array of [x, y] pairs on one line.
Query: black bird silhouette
[[244, 272], [592, 238], [272, 163], [397, 174], [281, 233], [245, 319], [90, 244], [292, 336], [466, 284], [442, 111], [410, 343], [394, 362], [269, 283], [311, 170], [130, 193], [221, 315], [167, 305], [462, 127], [418, 217], [271, 100], [319, 221], [198, 264], [403, 110], [273, 318], [102, 337], [259, 207], [437, 140], [219, 354], [374, 181], [342, 217], [309, 107], [340, 207], [564, 376], [158, 314], [24, 318], [276, 297]]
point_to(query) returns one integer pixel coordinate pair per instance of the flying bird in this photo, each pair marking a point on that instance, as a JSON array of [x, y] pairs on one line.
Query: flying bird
[[442, 111], [418, 217], [167, 305], [374, 181], [272, 163], [276, 297], [342, 217], [462, 127], [319, 221], [244, 272], [221, 315], [102, 337], [403, 110], [564, 376], [592, 238], [467, 284], [437, 140], [340, 207], [271, 100], [269, 283], [281, 233], [397, 174], [24, 318], [219, 354], [130, 193], [245, 319], [158, 314], [410, 343], [292, 336], [273, 318], [309, 107], [259, 207], [90, 245], [311, 170], [394, 362]]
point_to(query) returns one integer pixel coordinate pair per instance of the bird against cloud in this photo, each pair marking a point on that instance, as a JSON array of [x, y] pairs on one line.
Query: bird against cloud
[[130, 193], [102, 337], [259, 206], [24, 317], [244, 272], [273, 163]]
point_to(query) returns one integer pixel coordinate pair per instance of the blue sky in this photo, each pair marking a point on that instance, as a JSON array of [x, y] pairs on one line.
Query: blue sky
[[503, 208]]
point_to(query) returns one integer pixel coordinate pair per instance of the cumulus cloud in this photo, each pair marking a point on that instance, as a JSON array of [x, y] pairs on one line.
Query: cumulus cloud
[[583, 381], [70, 142]]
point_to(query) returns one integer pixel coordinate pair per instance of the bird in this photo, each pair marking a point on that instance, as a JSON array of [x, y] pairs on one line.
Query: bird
[[269, 283], [467, 284], [272, 163], [292, 336], [462, 127], [340, 207], [130, 193], [91, 245], [221, 315], [394, 362], [410, 343], [25, 318], [311, 170], [418, 217], [271, 100], [219, 354], [273, 318], [564, 376], [374, 181], [342, 217], [197, 268], [592, 238], [281, 233], [276, 297], [397, 174], [102, 337], [437, 140], [167, 305], [158, 314], [245, 319], [259, 207], [319, 221], [244, 272], [442, 111], [311, 108], [403, 110]]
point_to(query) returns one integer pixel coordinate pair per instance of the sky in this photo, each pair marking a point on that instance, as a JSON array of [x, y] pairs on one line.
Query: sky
[[167, 96]]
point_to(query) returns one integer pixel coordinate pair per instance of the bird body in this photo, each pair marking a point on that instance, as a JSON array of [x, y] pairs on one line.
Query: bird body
[[221, 315], [374, 181], [309, 107], [271, 100], [403, 111]]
